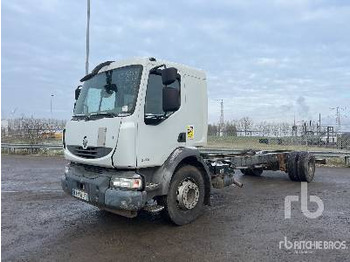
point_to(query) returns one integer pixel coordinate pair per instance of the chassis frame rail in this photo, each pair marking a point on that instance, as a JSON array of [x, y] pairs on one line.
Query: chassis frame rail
[[300, 166]]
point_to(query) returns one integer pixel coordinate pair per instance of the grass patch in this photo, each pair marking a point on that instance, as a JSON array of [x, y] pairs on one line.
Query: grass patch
[[241, 143], [334, 162]]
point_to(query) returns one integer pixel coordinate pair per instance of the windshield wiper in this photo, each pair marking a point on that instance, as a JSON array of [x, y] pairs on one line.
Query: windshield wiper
[[95, 115], [107, 114], [124, 114], [80, 116]]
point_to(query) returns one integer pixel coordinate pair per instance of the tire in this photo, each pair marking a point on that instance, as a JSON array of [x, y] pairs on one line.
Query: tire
[[292, 166], [185, 200], [306, 167], [252, 171]]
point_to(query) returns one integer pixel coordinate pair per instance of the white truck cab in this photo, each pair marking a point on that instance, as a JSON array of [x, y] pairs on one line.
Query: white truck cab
[[129, 118], [128, 127]]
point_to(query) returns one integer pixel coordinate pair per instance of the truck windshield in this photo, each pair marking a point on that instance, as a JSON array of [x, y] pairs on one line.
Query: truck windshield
[[110, 93]]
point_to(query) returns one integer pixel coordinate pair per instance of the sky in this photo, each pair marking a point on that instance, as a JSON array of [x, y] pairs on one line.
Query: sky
[[268, 60]]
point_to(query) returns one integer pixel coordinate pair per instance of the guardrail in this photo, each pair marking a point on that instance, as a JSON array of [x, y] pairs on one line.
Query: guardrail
[[11, 148]]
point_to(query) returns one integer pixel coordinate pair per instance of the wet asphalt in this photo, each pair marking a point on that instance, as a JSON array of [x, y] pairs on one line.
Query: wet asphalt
[[41, 223]]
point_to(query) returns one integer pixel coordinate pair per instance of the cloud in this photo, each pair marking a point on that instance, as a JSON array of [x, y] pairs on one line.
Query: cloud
[[266, 59], [17, 8], [303, 108]]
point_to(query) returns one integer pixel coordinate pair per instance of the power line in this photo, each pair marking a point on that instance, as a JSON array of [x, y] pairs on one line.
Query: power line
[[222, 121]]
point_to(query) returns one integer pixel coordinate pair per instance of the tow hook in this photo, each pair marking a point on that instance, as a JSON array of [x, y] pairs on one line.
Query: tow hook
[[153, 207]]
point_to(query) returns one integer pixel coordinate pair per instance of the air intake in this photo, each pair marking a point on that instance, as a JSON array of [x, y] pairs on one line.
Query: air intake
[[90, 152]]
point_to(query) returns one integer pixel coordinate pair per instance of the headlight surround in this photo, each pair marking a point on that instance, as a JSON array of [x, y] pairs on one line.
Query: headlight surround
[[127, 183]]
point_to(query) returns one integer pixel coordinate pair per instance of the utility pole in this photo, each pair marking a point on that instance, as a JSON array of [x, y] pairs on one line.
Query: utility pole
[[294, 129], [222, 121], [338, 116], [87, 38], [51, 105], [337, 120], [319, 124]]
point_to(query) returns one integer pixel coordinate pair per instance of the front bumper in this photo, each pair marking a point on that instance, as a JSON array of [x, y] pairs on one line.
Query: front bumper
[[96, 183]]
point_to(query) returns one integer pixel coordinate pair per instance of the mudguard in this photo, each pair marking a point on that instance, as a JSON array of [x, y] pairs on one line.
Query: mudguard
[[180, 156]]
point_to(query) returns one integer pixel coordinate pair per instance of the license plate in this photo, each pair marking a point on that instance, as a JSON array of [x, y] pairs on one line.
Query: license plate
[[80, 194]]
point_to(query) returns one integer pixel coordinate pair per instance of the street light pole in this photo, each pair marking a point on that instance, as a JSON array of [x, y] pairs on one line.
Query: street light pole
[[51, 104], [87, 38]]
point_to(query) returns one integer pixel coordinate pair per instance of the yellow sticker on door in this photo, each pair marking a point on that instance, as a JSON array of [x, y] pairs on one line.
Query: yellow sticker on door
[[190, 132]]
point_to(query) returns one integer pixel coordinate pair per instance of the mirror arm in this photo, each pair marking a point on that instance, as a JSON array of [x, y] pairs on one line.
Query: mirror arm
[[77, 92], [154, 69]]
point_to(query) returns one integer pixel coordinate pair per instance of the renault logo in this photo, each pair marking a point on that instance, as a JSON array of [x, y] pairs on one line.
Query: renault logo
[[85, 142]]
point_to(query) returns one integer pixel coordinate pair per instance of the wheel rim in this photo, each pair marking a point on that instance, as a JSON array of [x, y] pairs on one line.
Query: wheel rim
[[187, 194], [311, 168]]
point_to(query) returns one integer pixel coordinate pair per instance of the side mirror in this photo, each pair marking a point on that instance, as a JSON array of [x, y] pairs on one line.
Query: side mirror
[[77, 92], [169, 75], [171, 99]]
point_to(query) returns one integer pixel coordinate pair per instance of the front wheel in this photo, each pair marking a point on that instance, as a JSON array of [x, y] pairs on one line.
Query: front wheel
[[185, 200]]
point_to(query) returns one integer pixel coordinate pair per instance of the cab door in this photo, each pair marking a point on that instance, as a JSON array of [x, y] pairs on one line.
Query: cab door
[[159, 133]]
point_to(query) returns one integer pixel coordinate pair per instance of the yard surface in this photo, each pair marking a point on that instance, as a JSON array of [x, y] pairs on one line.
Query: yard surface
[[41, 223]]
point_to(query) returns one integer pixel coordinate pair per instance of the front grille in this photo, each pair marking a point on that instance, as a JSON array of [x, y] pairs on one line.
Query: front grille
[[90, 152]]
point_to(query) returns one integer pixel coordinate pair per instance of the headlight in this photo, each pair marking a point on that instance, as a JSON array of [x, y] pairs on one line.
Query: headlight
[[129, 183]]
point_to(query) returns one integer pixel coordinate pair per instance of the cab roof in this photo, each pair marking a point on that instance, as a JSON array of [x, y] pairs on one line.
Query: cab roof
[[152, 62]]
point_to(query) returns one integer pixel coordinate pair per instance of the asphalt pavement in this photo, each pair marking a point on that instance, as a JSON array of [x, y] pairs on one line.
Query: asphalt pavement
[[41, 223]]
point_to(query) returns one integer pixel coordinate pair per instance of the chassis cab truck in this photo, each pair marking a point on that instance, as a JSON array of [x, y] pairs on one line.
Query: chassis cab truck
[[136, 138]]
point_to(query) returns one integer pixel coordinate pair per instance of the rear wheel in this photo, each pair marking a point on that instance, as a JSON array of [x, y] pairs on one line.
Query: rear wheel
[[292, 166], [301, 166], [306, 166], [252, 171], [185, 200]]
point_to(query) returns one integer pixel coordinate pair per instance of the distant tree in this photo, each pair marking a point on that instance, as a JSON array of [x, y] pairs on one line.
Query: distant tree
[[275, 129], [286, 129], [263, 127], [213, 130], [33, 129], [230, 129], [246, 124]]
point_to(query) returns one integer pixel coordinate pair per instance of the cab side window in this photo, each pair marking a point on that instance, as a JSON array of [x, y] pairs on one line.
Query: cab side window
[[154, 113]]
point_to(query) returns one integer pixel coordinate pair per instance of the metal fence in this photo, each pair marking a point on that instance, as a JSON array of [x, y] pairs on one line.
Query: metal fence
[[245, 133], [31, 130]]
